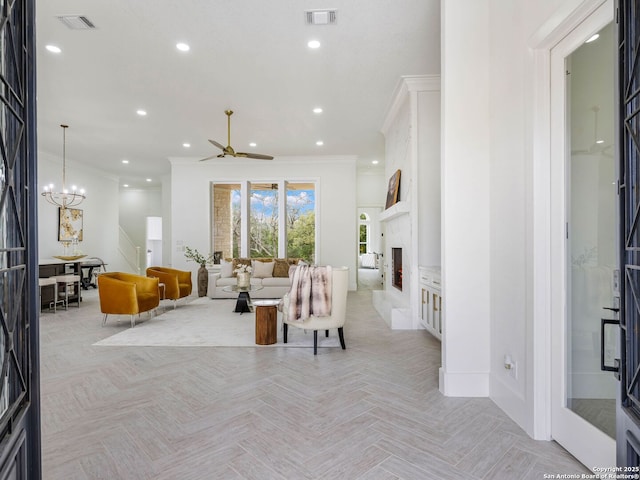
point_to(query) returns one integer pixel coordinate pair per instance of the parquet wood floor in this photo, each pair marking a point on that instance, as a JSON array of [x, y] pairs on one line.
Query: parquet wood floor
[[372, 412]]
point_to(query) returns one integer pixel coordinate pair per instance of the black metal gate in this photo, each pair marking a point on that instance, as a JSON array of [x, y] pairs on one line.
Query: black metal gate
[[19, 371], [628, 135]]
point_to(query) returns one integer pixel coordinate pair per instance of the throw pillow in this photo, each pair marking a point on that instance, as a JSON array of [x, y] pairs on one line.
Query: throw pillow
[[226, 269], [263, 269], [281, 268]]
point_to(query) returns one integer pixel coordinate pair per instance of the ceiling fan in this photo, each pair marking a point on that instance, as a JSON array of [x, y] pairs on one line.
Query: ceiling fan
[[228, 150]]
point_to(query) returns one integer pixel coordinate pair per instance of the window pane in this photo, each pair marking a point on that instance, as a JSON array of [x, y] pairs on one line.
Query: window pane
[[226, 219], [301, 221], [263, 221], [363, 239], [363, 234]]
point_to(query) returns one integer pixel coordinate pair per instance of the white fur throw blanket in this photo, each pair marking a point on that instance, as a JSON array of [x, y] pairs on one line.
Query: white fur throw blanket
[[310, 292]]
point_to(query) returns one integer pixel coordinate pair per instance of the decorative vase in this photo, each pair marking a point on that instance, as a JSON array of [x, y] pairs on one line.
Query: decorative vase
[[244, 279], [203, 280]]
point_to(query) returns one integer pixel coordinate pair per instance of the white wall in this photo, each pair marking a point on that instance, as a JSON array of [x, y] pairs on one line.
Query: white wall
[[429, 175], [371, 188], [336, 198], [490, 226], [100, 209], [465, 198]]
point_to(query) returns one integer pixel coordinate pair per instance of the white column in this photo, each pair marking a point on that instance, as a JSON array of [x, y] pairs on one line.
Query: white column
[[465, 198]]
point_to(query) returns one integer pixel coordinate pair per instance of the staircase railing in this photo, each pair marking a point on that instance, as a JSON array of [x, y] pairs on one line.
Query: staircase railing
[[129, 252]]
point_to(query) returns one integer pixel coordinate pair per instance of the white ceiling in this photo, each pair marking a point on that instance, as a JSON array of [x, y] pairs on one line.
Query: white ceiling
[[247, 55]]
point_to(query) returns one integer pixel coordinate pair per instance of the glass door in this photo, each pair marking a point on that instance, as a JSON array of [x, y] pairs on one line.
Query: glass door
[[628, 130], [583, 395], [591, 244]]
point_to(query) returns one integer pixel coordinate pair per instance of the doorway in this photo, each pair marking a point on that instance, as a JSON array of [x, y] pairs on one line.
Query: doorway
[[153, 241], [369, 251], [583, 250]]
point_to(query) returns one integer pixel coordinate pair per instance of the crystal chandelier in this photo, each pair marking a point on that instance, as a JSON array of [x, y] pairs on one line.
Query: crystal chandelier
[[64, 198]]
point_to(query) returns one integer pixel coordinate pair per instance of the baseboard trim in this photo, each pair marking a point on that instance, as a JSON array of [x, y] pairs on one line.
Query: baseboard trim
[[464, 384]]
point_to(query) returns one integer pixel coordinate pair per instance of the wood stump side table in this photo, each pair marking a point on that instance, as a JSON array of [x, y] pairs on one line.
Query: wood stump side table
[[266, 322]]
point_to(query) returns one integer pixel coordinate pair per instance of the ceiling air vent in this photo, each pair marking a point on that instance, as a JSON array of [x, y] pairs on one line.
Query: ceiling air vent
[[77, 22], [321, 17]]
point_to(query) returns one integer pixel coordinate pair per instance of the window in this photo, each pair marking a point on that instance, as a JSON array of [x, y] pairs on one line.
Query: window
[[363, 241], [263, 220], [227, 216], [247, 219], [301, 221]]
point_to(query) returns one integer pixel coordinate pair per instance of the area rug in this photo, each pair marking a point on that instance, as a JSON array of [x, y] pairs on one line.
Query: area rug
[[208, 323]]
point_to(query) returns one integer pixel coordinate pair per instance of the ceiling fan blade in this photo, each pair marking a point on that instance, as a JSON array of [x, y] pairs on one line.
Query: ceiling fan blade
[[257, 156], [208, 158], [228, 150], [213, 142]]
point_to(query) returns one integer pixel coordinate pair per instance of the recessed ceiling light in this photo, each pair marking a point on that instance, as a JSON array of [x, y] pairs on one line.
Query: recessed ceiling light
[[126, 185], [53, 49], [317, 110], [375, 162], [593, 38], [141, 112], [599, 141], [186, 145], [313, 44], [183, 47], [319, 143], [125, 161], [253, 144], [148, 179]]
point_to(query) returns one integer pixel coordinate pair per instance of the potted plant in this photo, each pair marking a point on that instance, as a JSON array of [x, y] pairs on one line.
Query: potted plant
[[203, 273]]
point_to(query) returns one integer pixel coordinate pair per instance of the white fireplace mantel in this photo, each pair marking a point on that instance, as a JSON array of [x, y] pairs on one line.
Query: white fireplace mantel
[[400, 208]]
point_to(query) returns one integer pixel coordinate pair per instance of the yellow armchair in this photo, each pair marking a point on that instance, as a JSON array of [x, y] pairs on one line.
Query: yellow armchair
[[177, 283], [127, 294]]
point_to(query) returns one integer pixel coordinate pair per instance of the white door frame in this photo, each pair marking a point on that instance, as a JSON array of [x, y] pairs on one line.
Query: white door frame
[[558, 26]]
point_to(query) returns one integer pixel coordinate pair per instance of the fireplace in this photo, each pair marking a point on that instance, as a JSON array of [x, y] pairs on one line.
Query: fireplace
[[396, 268]]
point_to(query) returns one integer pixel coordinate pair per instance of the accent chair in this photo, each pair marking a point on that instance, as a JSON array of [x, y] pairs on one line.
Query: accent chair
[[339, 287], [127, 294], [177, 283]]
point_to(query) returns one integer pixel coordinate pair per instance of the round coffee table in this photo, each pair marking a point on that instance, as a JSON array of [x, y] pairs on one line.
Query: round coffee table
[[243, 304]]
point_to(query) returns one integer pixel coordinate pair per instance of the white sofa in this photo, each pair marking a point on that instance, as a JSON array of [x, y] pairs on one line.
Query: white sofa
[[272, 286]]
